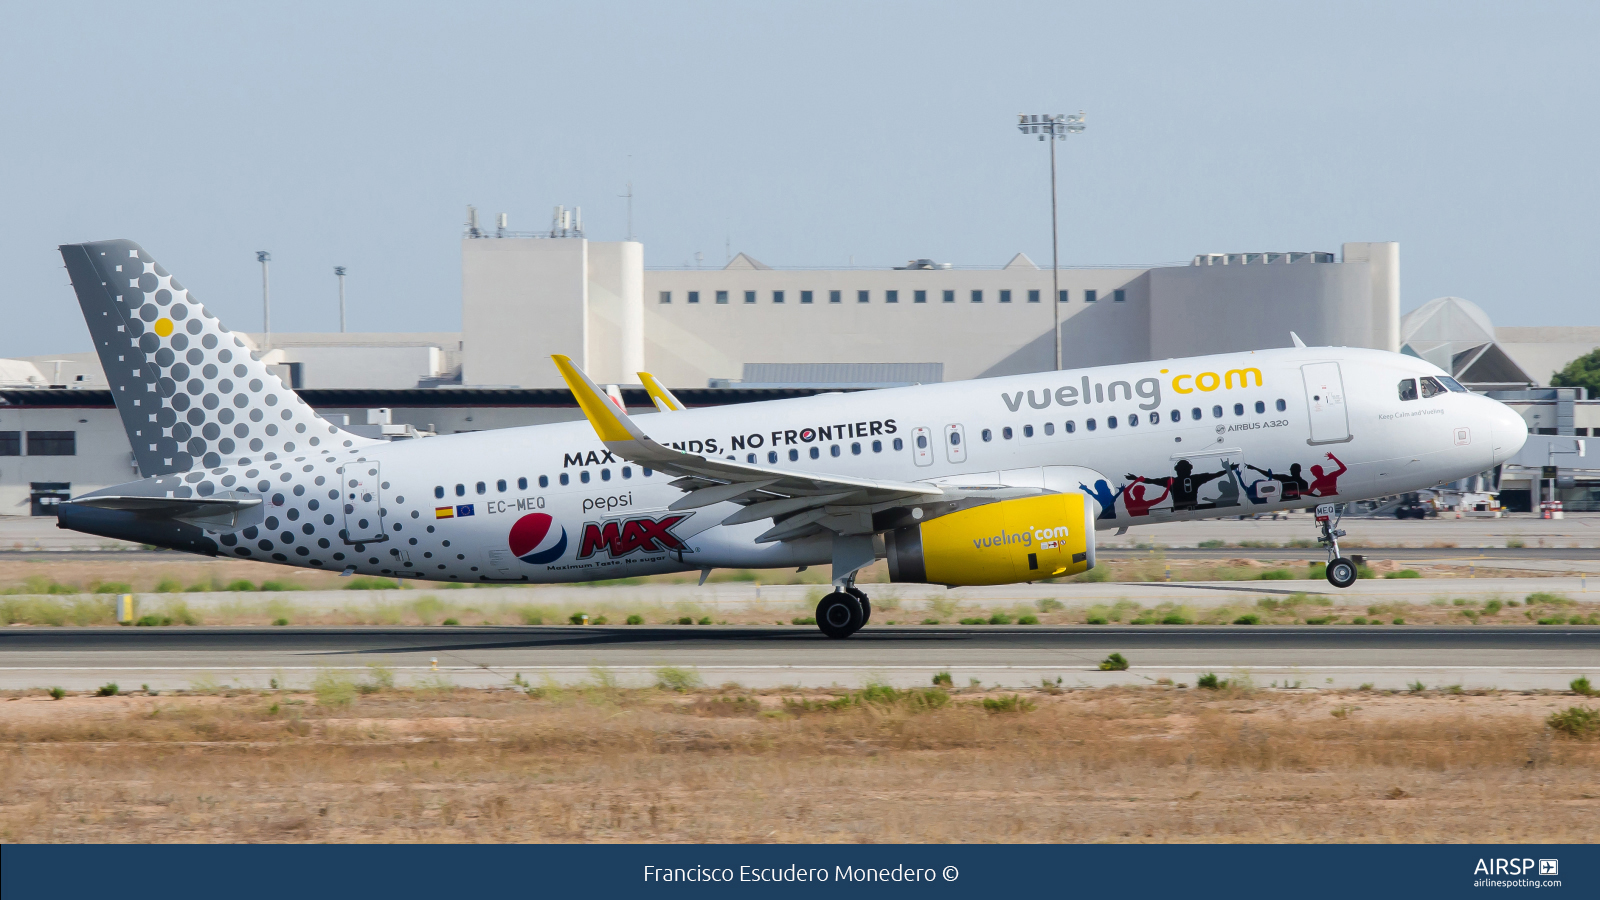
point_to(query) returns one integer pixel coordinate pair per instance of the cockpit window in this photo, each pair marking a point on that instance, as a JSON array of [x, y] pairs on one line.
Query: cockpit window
[[1431, 387], [1452, 384], [1408, 389]]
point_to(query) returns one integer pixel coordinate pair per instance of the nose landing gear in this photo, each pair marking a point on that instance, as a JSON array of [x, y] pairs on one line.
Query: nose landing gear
[[1341, 571]]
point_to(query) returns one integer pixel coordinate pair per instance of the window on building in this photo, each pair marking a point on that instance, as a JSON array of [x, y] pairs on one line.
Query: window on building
[[836, 296], [722, 296], [777, 296], [1033, 296], [919, 296], [891, 296], [1005, 296], [1062, 297], [666, 296], [694, 296], [1090, 296], [977, 296], [1119, 295], [749, 296], [949, 296], [52, 443], [1408, 389], [805, 296], [863, 296]]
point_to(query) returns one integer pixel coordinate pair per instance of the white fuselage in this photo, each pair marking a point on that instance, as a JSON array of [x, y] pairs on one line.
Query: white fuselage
[[1193, 438]]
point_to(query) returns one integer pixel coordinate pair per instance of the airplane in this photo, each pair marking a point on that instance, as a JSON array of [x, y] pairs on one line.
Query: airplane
[[990, 481]]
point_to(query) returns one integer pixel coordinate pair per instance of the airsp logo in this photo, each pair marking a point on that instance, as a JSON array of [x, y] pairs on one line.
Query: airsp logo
[[1549, 867]]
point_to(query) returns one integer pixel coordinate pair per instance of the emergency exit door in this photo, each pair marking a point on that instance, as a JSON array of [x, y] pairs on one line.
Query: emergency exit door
[[1329, 416], [363, 502]]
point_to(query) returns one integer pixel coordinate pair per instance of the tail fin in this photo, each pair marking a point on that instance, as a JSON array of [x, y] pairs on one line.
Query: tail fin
[[190, 392]]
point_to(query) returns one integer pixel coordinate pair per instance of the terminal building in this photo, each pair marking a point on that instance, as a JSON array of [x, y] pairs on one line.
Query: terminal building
[[749, 331]]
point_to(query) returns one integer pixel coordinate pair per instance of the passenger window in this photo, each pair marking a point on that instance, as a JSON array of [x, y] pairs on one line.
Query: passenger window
[[1089, 424], [987, 435], [899, 444], [1133, 420], [1155, 418], [1431, 387], [815, 452], [544, 481], [584, 476], [955, 438], [1006, 432], [1261, 406], [565, 479], [1027, 431], [794, 454], [1216, 412], [1049, 428], [1195, 413], [1071, 426], [877, 446], [772, 457], [855, 448], [1408, 389], [627, 471], [522, 484], [500, 485], [1177, 416], [1111, 421], [645, 472], [482, 488], [1282, 406], [834, 450], [750, 458], [605, 474], [439, 492], [1238, 409], [461, 490]]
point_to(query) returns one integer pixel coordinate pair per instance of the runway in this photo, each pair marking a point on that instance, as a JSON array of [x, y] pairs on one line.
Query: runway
[[1519, 658]]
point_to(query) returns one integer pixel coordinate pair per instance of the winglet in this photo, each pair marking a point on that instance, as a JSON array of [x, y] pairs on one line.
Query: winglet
[[610, 423], [659, 394], [1296, 339]]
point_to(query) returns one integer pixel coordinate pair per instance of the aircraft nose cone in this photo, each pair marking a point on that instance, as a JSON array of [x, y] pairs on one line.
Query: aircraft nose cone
[[1508, 429]]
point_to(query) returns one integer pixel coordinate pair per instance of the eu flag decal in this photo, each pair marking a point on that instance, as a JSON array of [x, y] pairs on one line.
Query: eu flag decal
[[463, 510]]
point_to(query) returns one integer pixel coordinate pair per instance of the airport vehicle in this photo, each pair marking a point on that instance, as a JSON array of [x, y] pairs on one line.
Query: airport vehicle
[[991, 481]]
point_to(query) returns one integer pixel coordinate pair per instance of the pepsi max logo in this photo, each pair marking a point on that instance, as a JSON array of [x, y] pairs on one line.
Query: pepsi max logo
[[536, 539]]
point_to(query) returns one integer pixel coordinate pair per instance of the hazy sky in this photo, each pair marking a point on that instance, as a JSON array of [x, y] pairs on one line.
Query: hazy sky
[[809, 134]]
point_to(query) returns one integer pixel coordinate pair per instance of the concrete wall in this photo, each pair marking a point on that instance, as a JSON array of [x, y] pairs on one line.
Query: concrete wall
[[1384, 262], [104, 456], [687, 344], [522, 300], [1218, 309], [1542, 351], [615, 336]]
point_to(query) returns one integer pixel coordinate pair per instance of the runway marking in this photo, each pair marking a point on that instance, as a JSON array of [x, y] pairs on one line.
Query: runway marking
[[777, 667]]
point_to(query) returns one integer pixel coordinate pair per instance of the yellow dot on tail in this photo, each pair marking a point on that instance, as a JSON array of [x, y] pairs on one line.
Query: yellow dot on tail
[[163, 326]]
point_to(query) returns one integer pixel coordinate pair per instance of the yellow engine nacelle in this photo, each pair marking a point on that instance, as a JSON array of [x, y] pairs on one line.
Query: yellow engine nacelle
[[1006, 542]]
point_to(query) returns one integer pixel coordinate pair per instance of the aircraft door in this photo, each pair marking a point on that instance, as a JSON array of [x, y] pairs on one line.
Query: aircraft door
[[1330, 419], [922, 446], [955, 443], [363, 502]]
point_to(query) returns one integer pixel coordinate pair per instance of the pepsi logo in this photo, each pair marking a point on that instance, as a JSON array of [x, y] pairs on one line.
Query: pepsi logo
[[533, 539]]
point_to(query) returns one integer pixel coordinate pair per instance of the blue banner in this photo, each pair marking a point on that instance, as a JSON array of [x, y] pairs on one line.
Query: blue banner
[[301, 872]]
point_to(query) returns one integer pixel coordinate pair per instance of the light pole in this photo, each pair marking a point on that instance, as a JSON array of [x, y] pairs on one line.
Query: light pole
[[339, 271], [1053, 128], [264, 257]]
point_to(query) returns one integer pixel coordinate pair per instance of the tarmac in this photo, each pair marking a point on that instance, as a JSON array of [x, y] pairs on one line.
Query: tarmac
[[207, 658]]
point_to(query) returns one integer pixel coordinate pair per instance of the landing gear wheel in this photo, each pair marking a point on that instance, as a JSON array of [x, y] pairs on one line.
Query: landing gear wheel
[[866, 605], [839, 615], [1341, 573]]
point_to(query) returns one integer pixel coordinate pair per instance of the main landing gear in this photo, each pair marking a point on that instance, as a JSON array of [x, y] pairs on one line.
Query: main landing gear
[[843, 612], [1341, 570]]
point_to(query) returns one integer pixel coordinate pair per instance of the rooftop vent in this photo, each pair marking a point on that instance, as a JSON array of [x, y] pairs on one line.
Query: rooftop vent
[[1261, 259]]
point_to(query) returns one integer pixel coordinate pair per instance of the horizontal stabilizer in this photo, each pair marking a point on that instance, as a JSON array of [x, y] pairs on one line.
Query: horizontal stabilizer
[[222, 511]]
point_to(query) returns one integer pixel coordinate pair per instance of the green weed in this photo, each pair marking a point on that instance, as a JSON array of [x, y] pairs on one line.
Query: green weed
[[109, 689], [1576, 721], [1011, 703], [672, 678], [1404, 573], [1116, 662]]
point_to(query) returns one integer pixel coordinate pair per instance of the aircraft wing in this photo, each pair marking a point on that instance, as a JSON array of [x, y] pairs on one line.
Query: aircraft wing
[[663, 398], [799, 503]]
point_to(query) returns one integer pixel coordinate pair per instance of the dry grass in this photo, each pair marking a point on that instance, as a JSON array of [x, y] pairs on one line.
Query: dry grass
[[600, 764]]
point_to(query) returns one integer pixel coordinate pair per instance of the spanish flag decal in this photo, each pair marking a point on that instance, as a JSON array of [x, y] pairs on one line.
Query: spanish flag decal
[[444, 512]]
